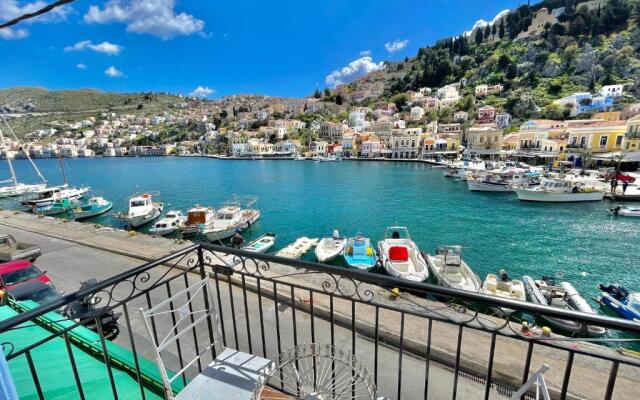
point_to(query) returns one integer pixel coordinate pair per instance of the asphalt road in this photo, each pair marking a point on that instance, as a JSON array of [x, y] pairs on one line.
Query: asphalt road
[[67, 264]]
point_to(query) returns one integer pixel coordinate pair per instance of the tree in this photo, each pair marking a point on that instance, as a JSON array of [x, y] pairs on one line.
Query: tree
[[317, 94], [327, 92], [493, 31], [400, 100], [478, 36], [339, 99], [512, 71], [501, 29], [504, 61], [487, 32]]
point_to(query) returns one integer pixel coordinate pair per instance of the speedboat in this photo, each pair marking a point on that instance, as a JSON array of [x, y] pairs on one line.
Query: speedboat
[[450, 270], [261, 244], [558, 190], [96, 206], [48, 196], [504, 287], [171, 222], [198, 218], [359, 253], [57, 207], [625, 211], [618, 299], [565, 296], [330, 247], [142, 210], [230, 219], [400, 256]]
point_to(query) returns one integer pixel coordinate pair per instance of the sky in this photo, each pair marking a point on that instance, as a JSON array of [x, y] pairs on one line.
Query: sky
[[216, 48]]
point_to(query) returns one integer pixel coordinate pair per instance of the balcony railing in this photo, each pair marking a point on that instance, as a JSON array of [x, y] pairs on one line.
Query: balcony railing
[[417, 340]]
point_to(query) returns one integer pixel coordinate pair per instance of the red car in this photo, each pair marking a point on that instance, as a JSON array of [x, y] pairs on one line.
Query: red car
[[15, 272]]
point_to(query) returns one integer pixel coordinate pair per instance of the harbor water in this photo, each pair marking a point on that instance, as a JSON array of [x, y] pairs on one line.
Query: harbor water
[[580, 242]]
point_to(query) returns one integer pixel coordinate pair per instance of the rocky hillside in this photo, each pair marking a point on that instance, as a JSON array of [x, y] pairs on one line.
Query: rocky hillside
[[538, 53]]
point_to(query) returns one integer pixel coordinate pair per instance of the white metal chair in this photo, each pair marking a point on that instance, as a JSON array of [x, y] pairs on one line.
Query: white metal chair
[[541, 386], [232, 375]]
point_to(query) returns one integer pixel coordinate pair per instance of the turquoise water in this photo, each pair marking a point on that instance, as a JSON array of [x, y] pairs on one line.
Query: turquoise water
[[581, 241]]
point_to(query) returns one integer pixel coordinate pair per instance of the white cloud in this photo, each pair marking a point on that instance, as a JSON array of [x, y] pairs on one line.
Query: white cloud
[[10, 9], [365, 53], [356, 68], [113, 72], [481, 23], [396, 45], [81, 66], [104, 47], [154, 17], [202, 91]]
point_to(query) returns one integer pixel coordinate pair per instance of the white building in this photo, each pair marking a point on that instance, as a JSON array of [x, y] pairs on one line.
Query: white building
[[611, 91], [417, 113]]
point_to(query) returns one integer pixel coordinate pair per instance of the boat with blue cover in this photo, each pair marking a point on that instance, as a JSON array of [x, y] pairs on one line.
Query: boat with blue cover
[[94, 207], [57, 207], [618, 299], [359, 253]]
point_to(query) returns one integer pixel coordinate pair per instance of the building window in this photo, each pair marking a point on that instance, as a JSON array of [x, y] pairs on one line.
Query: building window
[[619, 140], [603, 140]]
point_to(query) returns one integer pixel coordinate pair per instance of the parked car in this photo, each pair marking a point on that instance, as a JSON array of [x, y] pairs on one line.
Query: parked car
[[37, 291], [11, 249], [13, 273]]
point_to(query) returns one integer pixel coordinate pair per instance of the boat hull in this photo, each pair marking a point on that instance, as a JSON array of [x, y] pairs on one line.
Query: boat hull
[[324, 254], [481, 186], [222, 234], [20, 190], [550, 197], [140, 220], [619, 308], [82, 215]]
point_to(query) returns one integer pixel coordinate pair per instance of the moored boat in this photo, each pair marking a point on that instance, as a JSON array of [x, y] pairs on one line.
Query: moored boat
[[94, 207], [198, 218], [330, 247], [233, 217], [261, 244], [619, 300], [48, 196], [625, 211], [558, 190], [400, 256], [504, 287], [171, 222], [565, 296], [359, 253], [450, 270], [142, 210], [57, 207], [298, 248]]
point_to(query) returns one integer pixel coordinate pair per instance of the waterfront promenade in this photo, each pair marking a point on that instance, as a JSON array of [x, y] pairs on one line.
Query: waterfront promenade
[[73, 252]]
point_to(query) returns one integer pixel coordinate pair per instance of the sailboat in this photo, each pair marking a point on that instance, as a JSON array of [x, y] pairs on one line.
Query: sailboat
[[17, 188], [47, 196]]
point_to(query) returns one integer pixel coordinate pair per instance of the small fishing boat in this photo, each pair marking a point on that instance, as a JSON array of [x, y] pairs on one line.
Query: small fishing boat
[[450, 270], [96, 206], [330, 247], [57, 207], [298, 248], [618, 299], [142, 210], [625, 211], [400, 256], [359, 253], [504, 287], [559, 191], [198, 218], [261, 244], [233, 217], [171, 222], [565, 296]]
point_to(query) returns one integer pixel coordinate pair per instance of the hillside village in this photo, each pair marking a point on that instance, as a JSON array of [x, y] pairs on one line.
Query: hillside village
[[499, 107]]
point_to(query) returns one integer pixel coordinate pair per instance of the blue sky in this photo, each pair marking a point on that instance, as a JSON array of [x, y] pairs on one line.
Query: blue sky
[[281, 48]]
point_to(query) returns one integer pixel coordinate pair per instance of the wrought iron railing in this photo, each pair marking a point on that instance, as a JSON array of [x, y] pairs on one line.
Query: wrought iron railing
[[418, 340]]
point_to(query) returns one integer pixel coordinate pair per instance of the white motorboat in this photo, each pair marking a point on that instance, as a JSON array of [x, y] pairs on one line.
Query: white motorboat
[[504, 287], [48, 196], [330, 247], [566, 297], [232, 218], [198, 218], [450, 270], [298, 248], [400, 256], [503, 180], [171, 222], [469, 168], [17, 188], [558, 190], [625, 211], [261, 244], [142, 210]]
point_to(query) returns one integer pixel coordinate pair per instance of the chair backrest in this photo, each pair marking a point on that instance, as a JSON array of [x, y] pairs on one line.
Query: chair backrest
[[186, 311]]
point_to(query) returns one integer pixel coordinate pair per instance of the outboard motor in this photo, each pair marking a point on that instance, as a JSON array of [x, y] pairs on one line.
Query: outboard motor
[[549, 280], [85, 310], [616, 291]]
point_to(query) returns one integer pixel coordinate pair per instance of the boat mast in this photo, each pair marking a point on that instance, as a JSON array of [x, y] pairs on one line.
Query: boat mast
[[6, 153], [64, 172], [26, 152]]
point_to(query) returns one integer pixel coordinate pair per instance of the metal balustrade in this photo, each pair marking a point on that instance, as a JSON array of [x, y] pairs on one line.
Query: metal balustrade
[[418, 340]]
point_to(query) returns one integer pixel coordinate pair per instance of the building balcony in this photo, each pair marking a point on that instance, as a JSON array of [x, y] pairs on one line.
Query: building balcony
[[423, 341]]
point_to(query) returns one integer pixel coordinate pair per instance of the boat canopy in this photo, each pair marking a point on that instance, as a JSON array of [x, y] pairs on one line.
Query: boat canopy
[[452, 254], [396, 232]]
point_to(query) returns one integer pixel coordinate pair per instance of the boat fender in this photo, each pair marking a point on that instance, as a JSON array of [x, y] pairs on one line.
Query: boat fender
[[350, 250], [369, 251]]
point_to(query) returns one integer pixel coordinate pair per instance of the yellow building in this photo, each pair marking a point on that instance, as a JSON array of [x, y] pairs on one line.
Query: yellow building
[[598, 137], [632, 134]]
